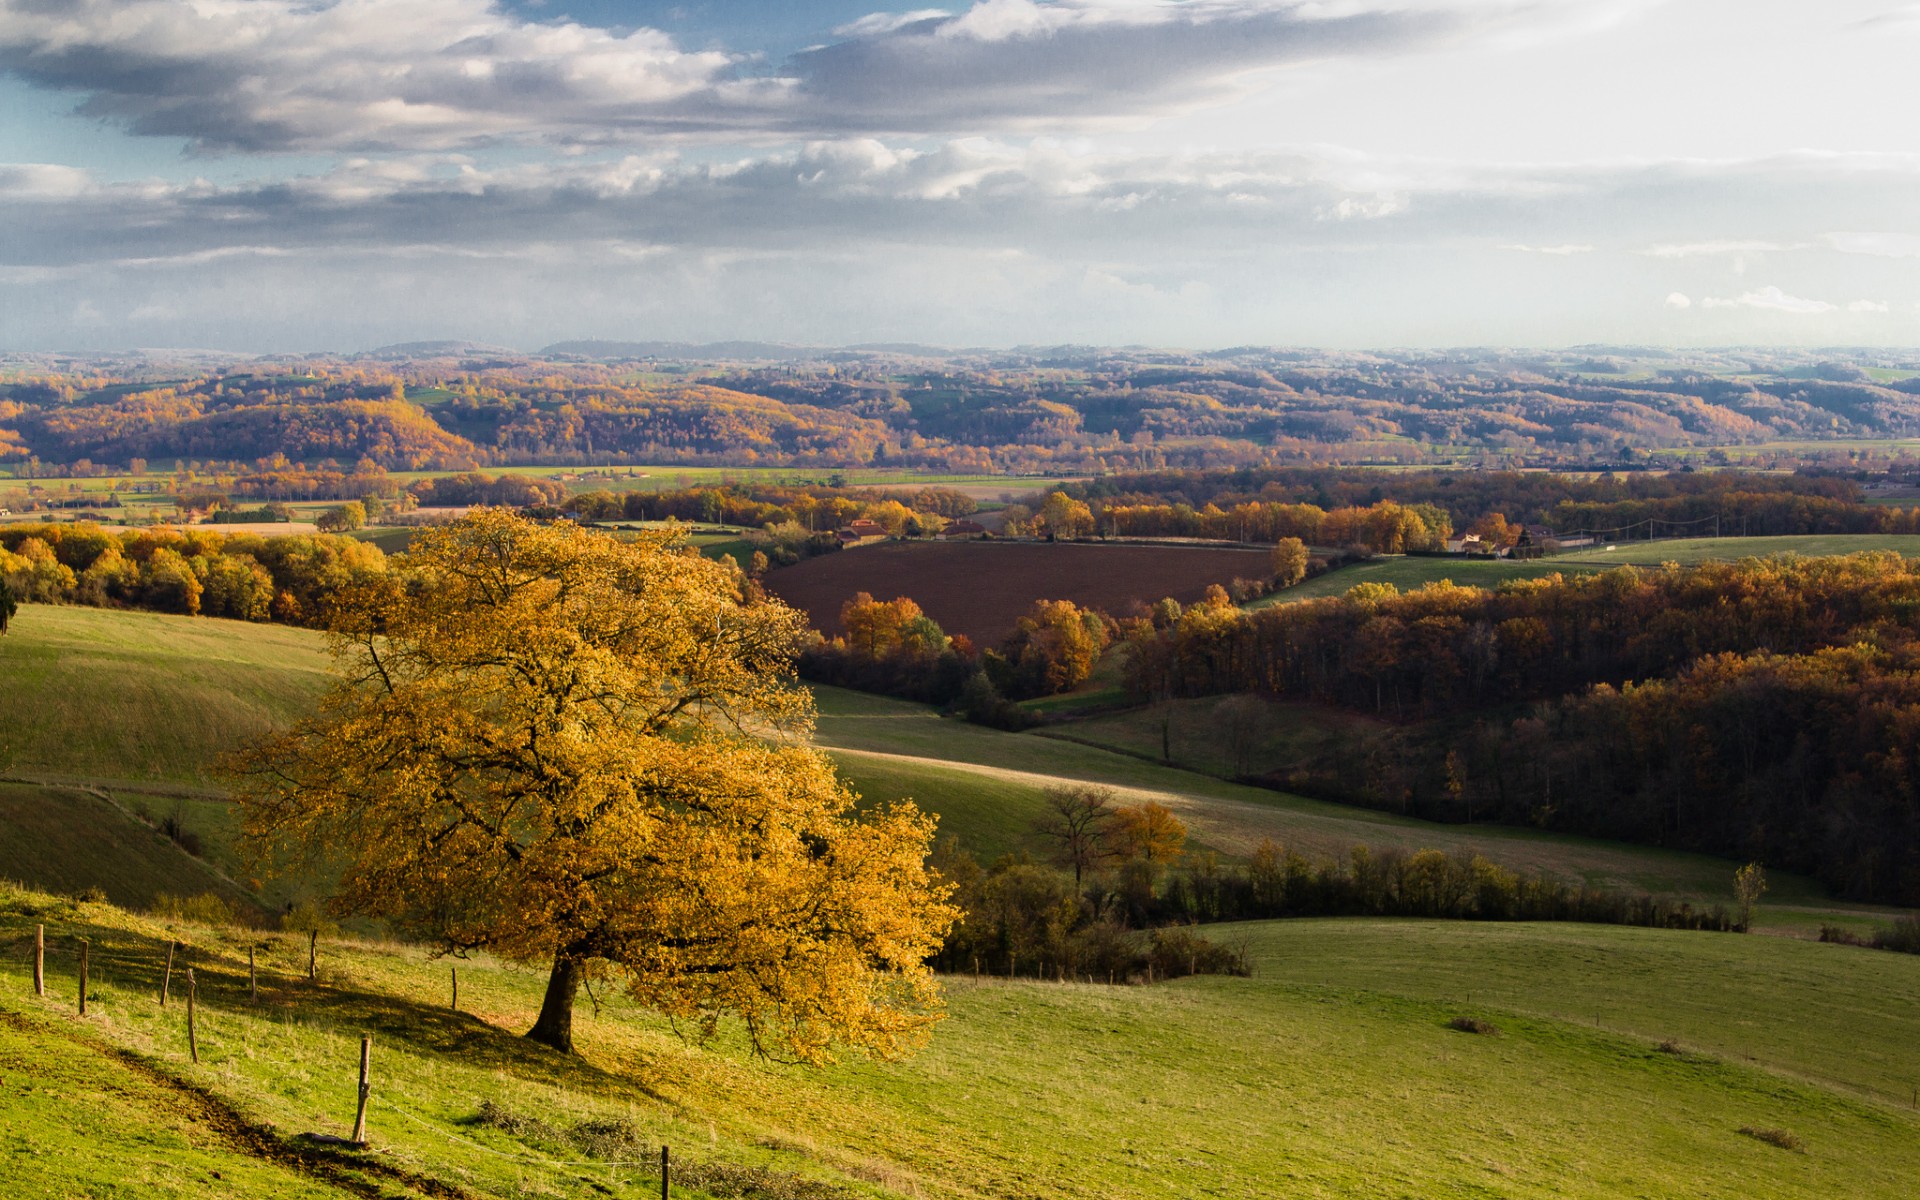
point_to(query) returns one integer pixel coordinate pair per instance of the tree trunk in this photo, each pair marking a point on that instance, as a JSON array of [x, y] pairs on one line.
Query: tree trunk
[[555, 1025]]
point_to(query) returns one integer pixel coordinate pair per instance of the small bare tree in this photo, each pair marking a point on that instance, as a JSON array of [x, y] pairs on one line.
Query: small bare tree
[[1749, 884], [1239, 719], [1075, 826]]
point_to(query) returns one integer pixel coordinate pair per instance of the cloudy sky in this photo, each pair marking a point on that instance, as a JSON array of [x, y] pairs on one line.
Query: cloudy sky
[[284, 175]]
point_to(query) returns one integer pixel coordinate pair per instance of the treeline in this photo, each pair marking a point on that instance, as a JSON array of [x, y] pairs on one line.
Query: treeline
[[893, 648], [1297, 502], [1386, 527], [1115, 892], [495, 491], [904, 512], [1427, 651], [243, 576]]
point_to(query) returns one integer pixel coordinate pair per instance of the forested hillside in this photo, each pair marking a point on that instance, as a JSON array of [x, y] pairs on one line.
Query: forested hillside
[[1766, 708], [1060, 410]]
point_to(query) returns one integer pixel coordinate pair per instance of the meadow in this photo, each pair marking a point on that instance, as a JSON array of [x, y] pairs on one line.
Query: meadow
[[1332, 1071], [1408, 573], [1613, 1062]]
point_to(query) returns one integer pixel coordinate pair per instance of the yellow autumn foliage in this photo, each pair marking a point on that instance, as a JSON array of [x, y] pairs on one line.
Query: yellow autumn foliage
[[580, 752]]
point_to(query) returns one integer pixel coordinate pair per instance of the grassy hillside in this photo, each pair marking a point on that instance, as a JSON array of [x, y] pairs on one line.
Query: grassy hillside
[[1332, 1072], [1686, 551], [989, 786], [1409, 573], [99, 695], [111, 714]]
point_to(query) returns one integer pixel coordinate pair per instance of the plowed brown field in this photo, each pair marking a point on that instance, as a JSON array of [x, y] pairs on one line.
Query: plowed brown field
[[981, 588]]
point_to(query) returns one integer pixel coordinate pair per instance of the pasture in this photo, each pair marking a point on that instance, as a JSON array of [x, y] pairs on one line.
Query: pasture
[[981, 589], [1331, 1072], [1408, 573], [96, 701]]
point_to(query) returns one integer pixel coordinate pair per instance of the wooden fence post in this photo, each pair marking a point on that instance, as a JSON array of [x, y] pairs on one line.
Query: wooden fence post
[[366, 1088], [40, 960], [166, 978], [454, 1004], [666, 1174], [83, 976], [313, 950], [193, 1040]]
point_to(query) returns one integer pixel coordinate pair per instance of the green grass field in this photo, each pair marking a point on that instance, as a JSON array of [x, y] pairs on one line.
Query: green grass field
[[1407, 573], [138, 706], [989, 787], [1687, 551], [1331, 1072], [103, 696]]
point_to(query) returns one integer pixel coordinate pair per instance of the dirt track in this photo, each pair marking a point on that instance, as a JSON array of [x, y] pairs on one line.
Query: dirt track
[[981, 588]]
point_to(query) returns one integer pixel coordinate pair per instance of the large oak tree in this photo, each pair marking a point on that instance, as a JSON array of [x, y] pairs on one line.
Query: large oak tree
[[588, 754]]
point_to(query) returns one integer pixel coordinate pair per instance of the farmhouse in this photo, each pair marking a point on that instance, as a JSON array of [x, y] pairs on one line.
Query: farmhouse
[[860, 532], [963, 528]]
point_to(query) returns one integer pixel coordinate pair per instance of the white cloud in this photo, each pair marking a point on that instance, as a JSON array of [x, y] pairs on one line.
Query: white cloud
[[1562, 250], [1772, 299], [1867, 306], [307, 75], [42, 181], [1710, 249], [1678, 300], [1881, 245]]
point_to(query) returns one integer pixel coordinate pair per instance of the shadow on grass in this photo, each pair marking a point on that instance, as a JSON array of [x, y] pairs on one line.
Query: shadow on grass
[[129, 960]]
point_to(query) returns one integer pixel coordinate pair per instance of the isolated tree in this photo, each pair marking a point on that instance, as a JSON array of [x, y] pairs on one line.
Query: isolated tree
[[1240, 720], [1749, 884], [1076, 827], [8, 606], [587, 754], [1150, 833], [1289, 561], [342, 519]]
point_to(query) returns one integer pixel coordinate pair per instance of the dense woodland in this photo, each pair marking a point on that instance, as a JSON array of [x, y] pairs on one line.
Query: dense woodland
[[1059, 411], [1766, 708]]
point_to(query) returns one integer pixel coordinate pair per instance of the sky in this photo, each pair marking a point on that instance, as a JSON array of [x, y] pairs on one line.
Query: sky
[[277, 176]]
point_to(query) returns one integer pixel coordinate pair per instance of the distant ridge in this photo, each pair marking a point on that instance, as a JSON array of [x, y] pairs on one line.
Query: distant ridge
[[593, 348], [448, 348]]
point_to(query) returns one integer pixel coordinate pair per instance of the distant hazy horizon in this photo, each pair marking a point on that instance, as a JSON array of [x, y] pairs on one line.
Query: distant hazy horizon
[[287, 177]]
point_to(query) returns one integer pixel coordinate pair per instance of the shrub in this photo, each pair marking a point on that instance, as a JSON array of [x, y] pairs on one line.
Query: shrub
[[207, 908], [1182, 951], [174, 825], [93, 893], [1903, 935], [1772, 1137], [1472, 1025]]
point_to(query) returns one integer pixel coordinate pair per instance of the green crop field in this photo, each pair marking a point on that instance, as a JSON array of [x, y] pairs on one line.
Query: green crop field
[[1331, 1072]]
